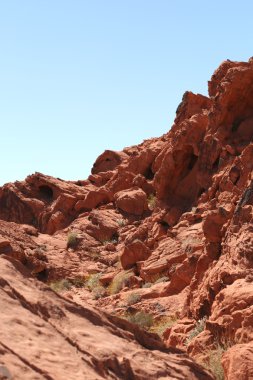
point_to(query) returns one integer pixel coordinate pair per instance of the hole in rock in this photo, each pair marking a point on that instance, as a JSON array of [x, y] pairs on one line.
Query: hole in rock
[[234, 175], [46, 193], [164, 224], [115, 237], [201, 191], [148, 173], [192, 161], [205, 309], [235, 124], [184, 162], [43, 275], [216, 163]]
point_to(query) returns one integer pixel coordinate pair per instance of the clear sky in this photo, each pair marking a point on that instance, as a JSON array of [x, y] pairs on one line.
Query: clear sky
[[81, 76]]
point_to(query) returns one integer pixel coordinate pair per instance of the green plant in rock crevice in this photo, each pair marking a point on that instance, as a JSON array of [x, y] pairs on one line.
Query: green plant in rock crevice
[[152, 200], [121, 222], [94, 286], [119, 281], [92, 281], [72, 240], [199, 327], [60, 285], [213, 361], [162, 324], [133, 298], [142, 319]]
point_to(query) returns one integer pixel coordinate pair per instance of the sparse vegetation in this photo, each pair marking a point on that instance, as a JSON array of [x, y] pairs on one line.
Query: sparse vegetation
[[113, 240], [157, 277], [200, 326], [121, 222], [152, 200], [99, 292], [119, 282], [42, 247], [94, 286], [92, 281], [213, 362], [147, 285], [162, 324], [66, 284], [40, 252], [72, 240], [60, 285], [142, 319], [133, 298], [162, 279], [94, 255], [78, 282]]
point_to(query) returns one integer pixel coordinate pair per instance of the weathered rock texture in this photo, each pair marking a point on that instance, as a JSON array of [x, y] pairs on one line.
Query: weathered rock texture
[[43, 336], [164, 227]]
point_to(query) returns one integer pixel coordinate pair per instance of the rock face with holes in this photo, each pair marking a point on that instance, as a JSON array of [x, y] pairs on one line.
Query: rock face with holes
[[166, 225]]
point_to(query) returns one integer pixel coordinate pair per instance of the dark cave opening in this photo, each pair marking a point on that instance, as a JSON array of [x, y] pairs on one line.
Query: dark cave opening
[[43, 275], [149, 175], [192, 161], [216, 164], [46, 193]]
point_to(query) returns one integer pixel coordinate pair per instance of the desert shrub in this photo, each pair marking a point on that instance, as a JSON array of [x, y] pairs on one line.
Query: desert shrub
[[162, 279], [153, 278], [92, 281], [94, 255], [99, 292], [60, 285], [141, 319], [199, 327], [133, 298], [162, 324], [94, 286], [113, 240], [213, 362], [160, 308], [152, 200], [72, 240], [147, 285], [78, 282], [41, 247], [39, 252], [121, 222], [119, 282]]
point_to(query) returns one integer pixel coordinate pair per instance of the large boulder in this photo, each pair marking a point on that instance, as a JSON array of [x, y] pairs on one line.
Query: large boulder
[[133, 201]]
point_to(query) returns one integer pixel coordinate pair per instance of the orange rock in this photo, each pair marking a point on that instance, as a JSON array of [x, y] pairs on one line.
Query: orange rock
[[37, 314], [238, 362], [108, 161], [132, 201], [178, 209], [133, 252]]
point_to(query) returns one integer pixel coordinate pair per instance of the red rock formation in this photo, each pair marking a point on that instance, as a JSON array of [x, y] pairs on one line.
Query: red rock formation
[[43, 336], [166, 226]]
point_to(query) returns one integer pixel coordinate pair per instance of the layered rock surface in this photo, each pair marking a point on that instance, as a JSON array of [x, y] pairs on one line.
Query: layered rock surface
[[163, 228], [44, 336]]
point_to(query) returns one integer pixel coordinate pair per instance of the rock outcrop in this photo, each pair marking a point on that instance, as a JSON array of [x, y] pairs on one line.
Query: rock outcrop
[[160, 234], [44, 336]]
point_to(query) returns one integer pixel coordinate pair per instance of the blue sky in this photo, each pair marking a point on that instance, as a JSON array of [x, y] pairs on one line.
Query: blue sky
[[81, 76]]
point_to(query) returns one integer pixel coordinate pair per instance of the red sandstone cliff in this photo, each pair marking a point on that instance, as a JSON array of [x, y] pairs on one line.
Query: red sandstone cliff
[[161, 232]]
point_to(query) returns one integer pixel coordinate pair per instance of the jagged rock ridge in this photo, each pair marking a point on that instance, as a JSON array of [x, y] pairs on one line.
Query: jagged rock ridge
[[173, 215]]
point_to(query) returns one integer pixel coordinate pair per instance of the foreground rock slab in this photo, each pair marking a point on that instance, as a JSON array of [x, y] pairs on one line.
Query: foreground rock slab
[[44, 336]]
